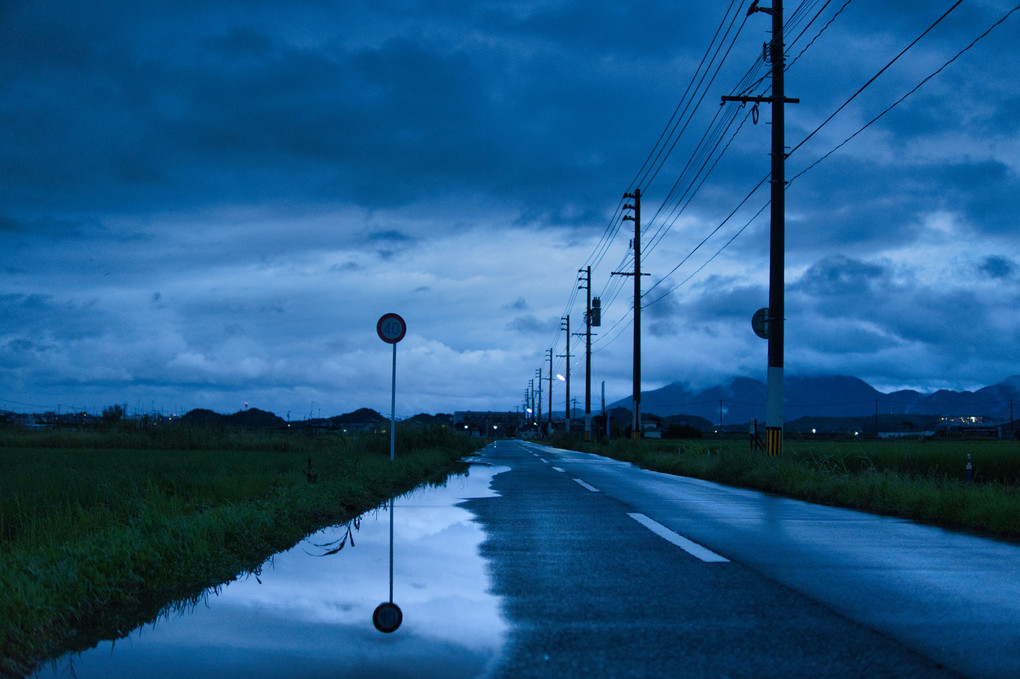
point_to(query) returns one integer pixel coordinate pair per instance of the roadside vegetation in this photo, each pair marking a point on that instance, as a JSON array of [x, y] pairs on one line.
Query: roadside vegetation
[[925, 481], [101, 530]]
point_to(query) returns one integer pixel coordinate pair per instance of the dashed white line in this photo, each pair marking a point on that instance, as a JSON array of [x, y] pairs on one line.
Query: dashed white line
[[589, 487], [562, 471], [692, 548]]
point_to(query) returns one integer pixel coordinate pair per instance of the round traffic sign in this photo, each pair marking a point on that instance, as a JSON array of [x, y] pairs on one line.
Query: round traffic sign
[[391, 328], [387, 617], [760, 323]]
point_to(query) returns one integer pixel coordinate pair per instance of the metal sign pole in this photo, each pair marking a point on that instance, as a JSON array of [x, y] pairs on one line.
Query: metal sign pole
[[391, 329], [391, 550], [393, 404]]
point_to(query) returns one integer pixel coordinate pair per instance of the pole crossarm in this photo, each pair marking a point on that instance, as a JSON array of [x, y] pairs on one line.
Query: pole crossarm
[[760, 100]]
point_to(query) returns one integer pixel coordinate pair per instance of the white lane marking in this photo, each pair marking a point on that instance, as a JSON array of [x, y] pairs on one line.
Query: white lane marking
[[692, 548], [562, 471], [589, 487], [544, 460]]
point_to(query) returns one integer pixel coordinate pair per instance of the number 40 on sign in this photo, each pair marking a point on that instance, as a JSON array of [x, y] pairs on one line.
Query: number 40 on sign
[[391, 328]]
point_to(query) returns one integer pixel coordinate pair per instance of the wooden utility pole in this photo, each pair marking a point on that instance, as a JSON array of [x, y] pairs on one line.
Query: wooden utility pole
[[565, 325], [538, 420], [530, 404], [777, 236], [636, 218], [585, 279], [550, 391]]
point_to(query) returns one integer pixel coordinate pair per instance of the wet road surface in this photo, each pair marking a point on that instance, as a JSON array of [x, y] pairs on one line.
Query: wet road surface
[[788, 588]]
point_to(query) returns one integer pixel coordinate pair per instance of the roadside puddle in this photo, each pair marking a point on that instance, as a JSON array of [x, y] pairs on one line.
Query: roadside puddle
[[309, 613]]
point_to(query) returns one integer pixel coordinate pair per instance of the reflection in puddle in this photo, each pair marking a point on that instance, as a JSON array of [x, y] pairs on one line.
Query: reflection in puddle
[[310, 614]]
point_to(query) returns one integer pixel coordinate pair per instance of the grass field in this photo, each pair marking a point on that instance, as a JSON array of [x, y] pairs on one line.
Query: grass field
[[920, 480], [99, 531]]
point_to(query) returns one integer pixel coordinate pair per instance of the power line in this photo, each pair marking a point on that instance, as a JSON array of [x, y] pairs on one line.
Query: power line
[[819, 160], [647, 181], [817, 35], [664, 146], [901, 99], [692, 190], [673, 121], [683, 191], [875, 77], [711, 233], [710, 259]]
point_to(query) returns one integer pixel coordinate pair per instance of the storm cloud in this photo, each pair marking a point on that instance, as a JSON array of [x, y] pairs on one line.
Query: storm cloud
[[210, 203]]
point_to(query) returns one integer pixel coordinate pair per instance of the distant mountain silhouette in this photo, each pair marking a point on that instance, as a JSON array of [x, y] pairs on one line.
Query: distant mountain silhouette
[[426, 420], [251, 418], [743, 399], [202, 418], [359, 416], [361, 419]]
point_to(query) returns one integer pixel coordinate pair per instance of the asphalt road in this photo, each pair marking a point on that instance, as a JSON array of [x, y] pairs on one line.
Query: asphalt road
[[607, 570]]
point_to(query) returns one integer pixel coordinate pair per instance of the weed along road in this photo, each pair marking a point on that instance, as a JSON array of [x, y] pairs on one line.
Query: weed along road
[[609, 570]]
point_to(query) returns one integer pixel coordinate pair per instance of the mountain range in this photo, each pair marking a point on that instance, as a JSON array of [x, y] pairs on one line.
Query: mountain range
[[742, 399]]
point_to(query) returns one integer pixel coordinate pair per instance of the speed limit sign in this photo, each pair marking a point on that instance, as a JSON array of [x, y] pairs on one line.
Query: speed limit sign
[[391, 328]]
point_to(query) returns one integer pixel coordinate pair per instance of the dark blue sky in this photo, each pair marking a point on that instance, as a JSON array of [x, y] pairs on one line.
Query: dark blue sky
[[210, 203]]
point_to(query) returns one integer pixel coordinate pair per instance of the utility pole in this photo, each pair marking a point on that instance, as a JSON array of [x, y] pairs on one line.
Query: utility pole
[[585, 279], [530, 407], [565, 325], [636, 218], [538, 420], [777, 238], [550, 391]]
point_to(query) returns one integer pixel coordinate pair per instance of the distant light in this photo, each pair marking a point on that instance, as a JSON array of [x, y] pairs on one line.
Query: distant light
[[814, 431], [495, 426]]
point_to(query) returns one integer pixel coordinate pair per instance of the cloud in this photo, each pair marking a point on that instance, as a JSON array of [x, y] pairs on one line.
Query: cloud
[[997, 266], [837, 276], [219, 199], [530, 325], [859, 311]]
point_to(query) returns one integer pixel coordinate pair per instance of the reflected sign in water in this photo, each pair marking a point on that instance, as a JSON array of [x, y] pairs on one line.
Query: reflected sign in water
[[310, 615]]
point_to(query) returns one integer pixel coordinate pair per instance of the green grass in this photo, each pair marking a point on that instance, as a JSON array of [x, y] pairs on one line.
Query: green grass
[[100, 531], [922, 481]]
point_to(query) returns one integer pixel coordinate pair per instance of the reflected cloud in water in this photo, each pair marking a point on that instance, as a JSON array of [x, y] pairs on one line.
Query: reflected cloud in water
[[309, 613]]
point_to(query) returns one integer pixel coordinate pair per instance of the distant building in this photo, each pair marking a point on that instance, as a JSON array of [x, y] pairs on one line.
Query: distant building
[[968, 426]]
